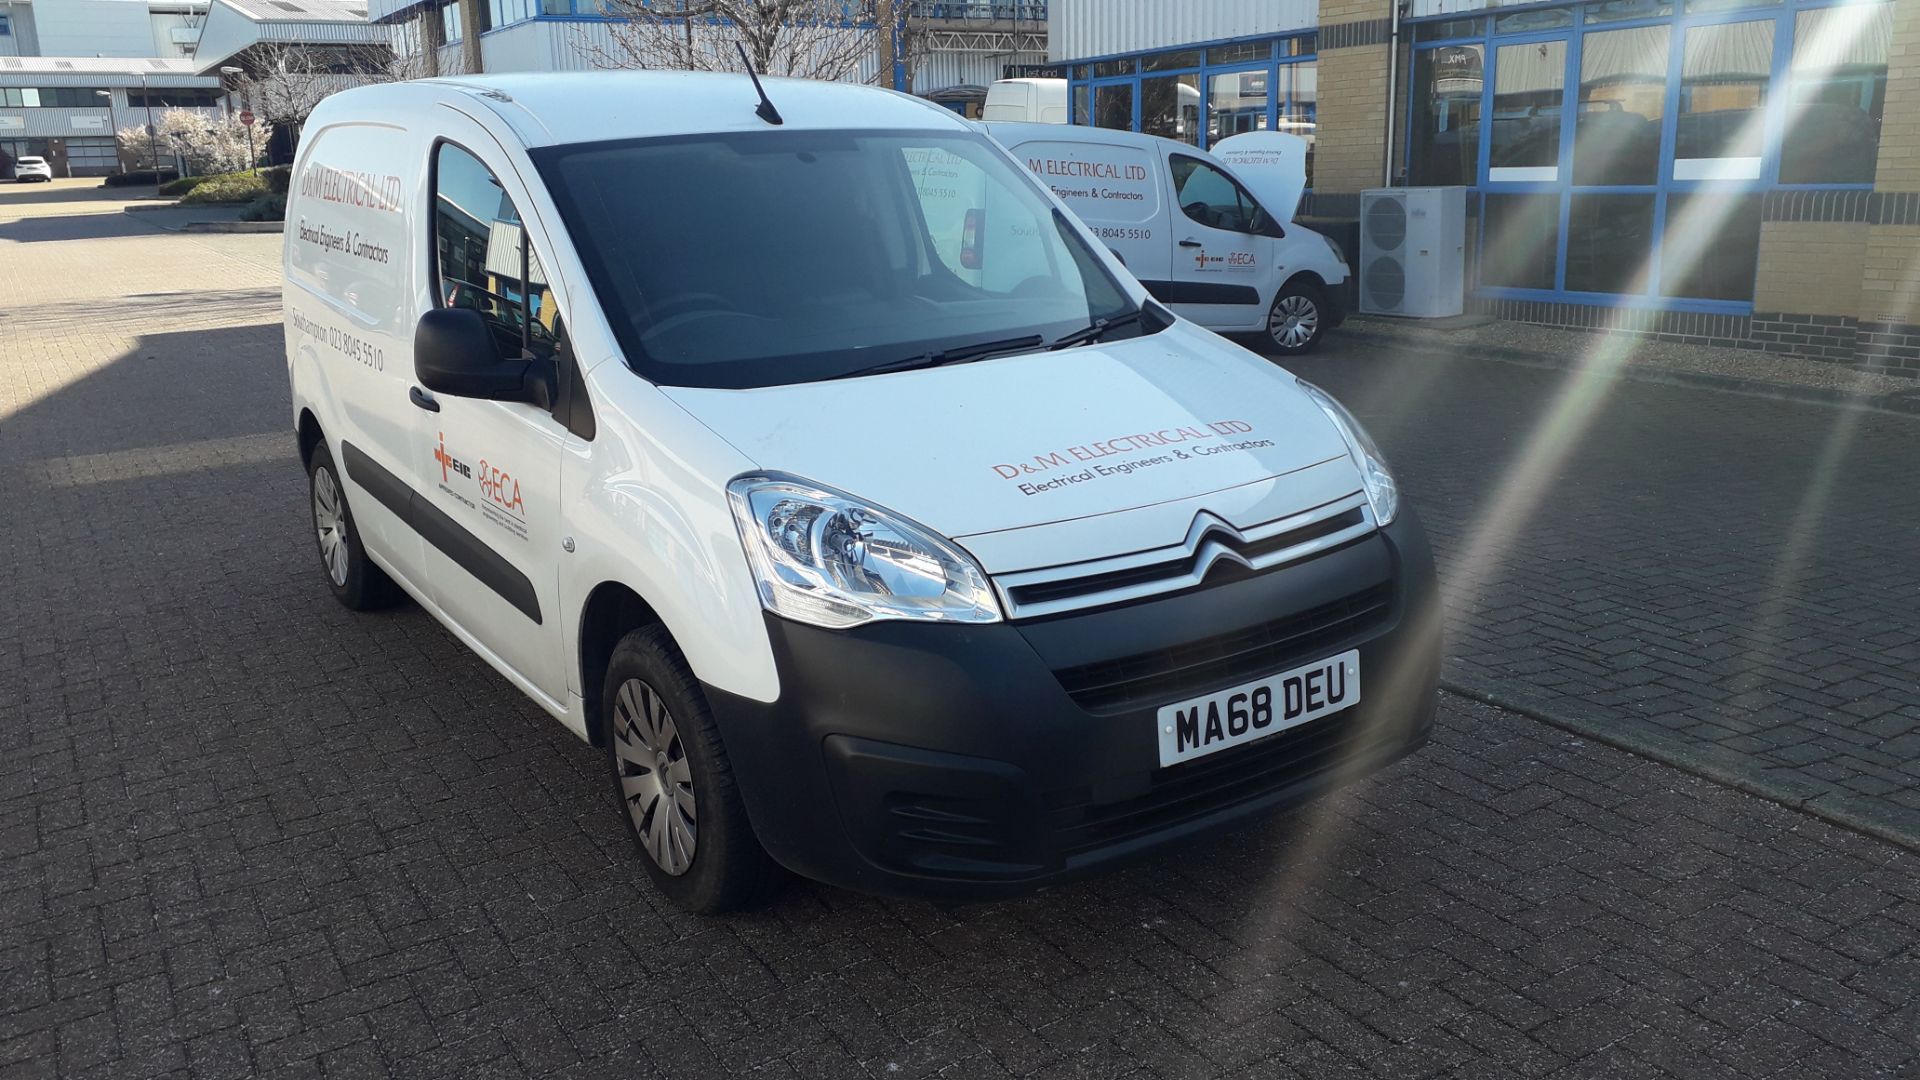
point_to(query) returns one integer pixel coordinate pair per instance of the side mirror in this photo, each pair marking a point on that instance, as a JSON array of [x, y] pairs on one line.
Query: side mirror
[[454, 353]]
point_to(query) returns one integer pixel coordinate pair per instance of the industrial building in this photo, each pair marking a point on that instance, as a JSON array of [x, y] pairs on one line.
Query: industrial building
[[74, 72], [1739, 172], [957, 47]]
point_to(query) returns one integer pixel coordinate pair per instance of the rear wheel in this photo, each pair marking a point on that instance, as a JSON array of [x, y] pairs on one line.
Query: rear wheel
[[675, 785], [354, 579], [1297, 318]]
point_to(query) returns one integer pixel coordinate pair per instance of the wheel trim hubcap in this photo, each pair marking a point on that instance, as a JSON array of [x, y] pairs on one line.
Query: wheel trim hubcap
[[655, 781], [1293, 321], [330, 524]]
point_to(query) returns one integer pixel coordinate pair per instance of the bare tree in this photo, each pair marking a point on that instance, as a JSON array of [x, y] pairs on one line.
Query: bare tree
[[284, 81], [808, 39]]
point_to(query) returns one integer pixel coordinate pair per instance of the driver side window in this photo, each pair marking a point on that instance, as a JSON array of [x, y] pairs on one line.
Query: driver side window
[[483, 260], [1211, 198]]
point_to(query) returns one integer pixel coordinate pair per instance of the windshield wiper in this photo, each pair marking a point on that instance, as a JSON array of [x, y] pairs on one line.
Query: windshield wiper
[[959, 354], [1096, 331]]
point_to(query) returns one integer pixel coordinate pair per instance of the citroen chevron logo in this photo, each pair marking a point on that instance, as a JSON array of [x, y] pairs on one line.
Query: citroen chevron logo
[[1208, 538]]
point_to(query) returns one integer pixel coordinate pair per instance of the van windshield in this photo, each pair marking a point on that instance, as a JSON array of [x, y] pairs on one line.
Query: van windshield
[[766, 258]]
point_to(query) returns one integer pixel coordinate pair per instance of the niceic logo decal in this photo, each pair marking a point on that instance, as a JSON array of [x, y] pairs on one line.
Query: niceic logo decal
[[448, 463]]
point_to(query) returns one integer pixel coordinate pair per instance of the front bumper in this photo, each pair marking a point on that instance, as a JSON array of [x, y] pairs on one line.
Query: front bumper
[[967, 762], [1336, 301]]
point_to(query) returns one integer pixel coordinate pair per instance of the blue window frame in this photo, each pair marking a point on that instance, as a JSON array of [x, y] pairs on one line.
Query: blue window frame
[[1620, 149], [1202, 93]]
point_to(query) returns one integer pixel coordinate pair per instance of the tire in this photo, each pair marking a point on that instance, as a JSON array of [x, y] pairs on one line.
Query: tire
[[1298, 319], [658, 725], [353, 578]]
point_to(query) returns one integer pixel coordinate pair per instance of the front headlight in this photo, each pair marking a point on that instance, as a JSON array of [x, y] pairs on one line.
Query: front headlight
[[824, 557], [1338, 255], [1382, 493]]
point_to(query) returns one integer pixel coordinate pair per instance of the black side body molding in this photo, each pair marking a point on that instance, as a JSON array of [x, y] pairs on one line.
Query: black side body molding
[[437, 528], [1201, 292]]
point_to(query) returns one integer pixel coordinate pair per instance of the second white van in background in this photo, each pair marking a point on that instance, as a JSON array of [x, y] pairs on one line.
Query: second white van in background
[[1211, 235], [1038, 101]]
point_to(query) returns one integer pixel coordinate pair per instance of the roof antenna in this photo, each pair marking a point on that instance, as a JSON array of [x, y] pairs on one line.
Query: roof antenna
[[766, 111]]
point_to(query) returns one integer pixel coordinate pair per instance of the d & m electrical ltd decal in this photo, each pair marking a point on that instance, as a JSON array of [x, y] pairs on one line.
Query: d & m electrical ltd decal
[[371, 191], [1177, 444]]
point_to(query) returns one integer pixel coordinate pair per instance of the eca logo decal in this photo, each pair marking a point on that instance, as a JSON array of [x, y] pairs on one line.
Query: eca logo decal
[[497, 485], [501, 489], [1237, 260]]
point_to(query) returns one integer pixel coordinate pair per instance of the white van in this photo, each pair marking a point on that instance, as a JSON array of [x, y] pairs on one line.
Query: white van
[[916, 551], [1209, 234], [1039, 101]]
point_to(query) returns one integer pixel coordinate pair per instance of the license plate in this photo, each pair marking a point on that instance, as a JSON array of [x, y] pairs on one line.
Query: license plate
[[1206, 725]]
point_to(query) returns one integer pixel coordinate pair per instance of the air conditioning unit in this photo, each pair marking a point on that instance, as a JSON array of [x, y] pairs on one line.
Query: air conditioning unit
[[1413, 251]]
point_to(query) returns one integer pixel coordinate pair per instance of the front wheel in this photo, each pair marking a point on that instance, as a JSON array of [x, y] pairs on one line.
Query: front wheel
[[1297, 319], [675, 786]]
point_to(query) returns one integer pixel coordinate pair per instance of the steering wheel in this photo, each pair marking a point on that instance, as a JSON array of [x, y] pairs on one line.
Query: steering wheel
[[1200, 212]]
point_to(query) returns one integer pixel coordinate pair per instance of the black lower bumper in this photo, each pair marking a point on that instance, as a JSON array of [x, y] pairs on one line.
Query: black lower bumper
[[1337, 302], [966, 762]]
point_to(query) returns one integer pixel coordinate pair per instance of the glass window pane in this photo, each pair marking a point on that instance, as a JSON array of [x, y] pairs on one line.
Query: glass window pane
[[1170, 107], [1172, 61], [1839, 78], [1447, 28], [1113, 106], [478, 241], [1206, 195], [30, 97], [1304, 45], [1723, 99], [1529, 82], [1241, 53], [1545, 19], [1236, 102], [1694, 7], [1109, 68], [1446, 121], [1522, 239], [1622, 10], [1608, 240], [1080, 113], [1299, 105], [1623, 89], [1711, 246], [1082, 72]]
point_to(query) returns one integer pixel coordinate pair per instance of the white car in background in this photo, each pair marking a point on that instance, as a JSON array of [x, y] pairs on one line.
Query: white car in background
[[27, 169]]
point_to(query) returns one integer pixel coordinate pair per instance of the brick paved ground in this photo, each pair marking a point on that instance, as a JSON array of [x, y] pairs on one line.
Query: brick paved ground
[[245, 832], [1731, 581]]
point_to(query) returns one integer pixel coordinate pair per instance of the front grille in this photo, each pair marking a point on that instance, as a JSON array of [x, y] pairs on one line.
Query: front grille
[[1027, 596], [1194, 788], [1213, 551], [1196, 667]]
